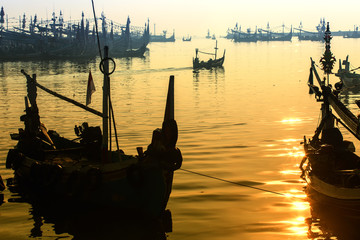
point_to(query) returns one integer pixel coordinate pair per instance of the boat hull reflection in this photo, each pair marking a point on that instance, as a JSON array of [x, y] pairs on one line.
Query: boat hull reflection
[[331, 217], [96, 223]]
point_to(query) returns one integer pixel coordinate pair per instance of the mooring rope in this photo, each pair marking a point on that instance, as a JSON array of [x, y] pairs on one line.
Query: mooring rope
[[235, 183]]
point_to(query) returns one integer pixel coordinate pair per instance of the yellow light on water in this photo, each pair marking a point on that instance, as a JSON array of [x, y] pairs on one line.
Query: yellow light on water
[[299, 230], [301, 196], [290, 172], [290, 140], [297, 226], [301, 206], [291, 121]]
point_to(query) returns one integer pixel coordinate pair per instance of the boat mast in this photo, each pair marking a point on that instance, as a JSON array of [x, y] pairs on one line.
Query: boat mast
[[105, 65], [216, 48]]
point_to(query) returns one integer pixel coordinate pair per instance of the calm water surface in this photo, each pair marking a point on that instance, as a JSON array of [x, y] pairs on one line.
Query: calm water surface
[[243, 123]]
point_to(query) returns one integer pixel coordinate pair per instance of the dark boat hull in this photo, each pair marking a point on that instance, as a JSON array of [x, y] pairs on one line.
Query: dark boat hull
[[349, 208], [130, 185], [209, 64]]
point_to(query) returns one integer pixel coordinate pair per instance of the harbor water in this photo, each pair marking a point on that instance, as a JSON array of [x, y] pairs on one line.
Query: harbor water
[[240, 133]]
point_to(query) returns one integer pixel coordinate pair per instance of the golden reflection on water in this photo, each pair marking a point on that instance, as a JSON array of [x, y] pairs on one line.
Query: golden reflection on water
[[292, 121], [243, 123], [290, 172], [300, 205], [292, 151]]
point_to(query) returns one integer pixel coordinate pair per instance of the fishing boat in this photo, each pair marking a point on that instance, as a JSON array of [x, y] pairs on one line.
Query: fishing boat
[[162, 38], [352, 34], [186, 39], [304, 35], [85, 171], [348, 77], [211, 63], [208, 36], [269, 35], [58, 39], [239, 36], [330, 166]]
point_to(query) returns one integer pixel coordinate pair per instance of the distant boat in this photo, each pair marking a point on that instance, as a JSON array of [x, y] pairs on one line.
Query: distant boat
[[162, 38], [330, 166], [58, 40], [186, 39], [211, 63], [239, 36], [348, 78], [305, 35], [267, 35], [352, 34], [208, 36]]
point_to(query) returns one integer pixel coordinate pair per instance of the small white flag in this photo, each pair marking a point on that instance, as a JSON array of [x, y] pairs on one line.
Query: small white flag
[[90, 89]]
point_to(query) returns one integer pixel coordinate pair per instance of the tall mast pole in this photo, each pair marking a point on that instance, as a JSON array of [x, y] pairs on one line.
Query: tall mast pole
[[105, 105]]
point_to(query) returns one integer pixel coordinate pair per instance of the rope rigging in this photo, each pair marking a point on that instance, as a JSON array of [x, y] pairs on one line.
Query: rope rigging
[[207, 53], [237, 183]]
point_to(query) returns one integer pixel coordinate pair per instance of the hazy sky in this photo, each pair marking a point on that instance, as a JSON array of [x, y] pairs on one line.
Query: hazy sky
[[195, 17]]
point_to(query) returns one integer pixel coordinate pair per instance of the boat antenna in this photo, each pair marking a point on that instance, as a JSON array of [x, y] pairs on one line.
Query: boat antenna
[[96, 27]]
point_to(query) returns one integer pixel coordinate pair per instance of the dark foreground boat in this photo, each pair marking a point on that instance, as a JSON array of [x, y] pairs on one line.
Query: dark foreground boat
[[211, 63], [85, 171], [330, 166]]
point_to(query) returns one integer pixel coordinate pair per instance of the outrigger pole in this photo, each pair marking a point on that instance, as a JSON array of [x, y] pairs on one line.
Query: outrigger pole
[[33, 79]]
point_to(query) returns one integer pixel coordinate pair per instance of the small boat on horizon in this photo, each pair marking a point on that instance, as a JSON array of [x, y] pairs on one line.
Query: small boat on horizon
[[211, 63], [186, 39], [163, 37]]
